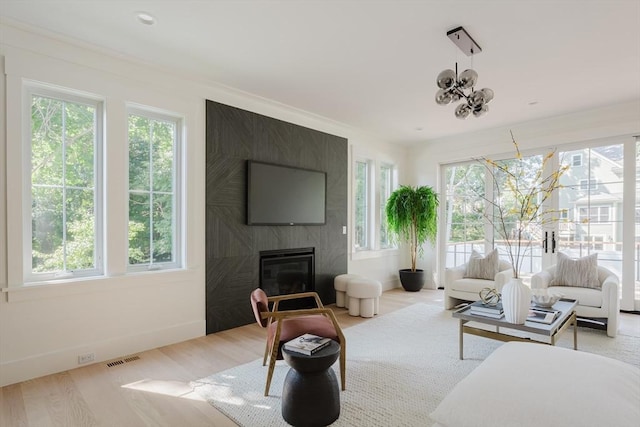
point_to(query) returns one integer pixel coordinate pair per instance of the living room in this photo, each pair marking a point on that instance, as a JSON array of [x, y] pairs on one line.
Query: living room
[[46, 326]]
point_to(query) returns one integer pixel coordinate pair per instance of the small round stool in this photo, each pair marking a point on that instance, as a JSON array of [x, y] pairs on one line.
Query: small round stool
[[310, 395], [340, 284], [364, 297]]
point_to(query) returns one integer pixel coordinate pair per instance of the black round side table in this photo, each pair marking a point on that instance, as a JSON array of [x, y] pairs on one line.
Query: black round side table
[[310, 395]]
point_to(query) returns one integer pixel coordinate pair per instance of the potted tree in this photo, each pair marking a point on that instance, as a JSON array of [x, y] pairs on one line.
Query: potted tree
[[412, 216]]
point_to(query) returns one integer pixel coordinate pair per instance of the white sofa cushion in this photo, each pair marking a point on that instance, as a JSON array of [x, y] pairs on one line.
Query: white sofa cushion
[[581, 272], [585, 296], [482, 267], [473, 286]]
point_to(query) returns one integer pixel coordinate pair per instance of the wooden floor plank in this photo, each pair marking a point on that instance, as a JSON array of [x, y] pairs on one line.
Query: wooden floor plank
[[12, 410]]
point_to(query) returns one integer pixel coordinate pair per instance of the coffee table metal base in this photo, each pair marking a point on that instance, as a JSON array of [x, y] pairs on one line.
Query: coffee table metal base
[[500, 336]]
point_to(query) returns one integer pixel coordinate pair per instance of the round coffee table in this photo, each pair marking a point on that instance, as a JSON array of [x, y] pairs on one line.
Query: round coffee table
[[310, 395]]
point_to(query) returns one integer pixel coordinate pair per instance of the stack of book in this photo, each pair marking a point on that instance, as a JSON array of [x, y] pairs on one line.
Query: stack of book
[[307, 344], [541, 315], [478, 308]]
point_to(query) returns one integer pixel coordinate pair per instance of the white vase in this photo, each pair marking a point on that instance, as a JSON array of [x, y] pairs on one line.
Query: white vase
[[516, 300]]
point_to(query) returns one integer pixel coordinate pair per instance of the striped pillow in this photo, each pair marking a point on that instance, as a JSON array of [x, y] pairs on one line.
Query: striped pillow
[[581, 273], [479, 267]]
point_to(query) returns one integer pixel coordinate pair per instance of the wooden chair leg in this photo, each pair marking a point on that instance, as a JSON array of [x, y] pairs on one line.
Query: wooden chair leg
[[272, 359], [272, 365], [266, 352]]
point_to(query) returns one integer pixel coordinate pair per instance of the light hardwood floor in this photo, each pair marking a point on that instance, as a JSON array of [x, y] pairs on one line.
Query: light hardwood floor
[[154, 389]]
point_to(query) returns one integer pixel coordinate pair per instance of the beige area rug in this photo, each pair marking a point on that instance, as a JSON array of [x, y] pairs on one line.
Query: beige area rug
[[399, 367]]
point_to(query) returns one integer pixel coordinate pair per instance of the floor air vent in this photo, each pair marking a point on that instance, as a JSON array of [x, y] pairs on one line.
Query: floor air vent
[[123, 361]]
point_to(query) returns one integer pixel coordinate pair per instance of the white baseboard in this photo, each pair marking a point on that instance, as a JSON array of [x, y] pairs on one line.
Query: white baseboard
[[65, 359], [387, 285]]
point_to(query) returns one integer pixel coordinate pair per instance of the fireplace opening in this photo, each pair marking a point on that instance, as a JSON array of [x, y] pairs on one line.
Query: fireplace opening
[[288, 271]]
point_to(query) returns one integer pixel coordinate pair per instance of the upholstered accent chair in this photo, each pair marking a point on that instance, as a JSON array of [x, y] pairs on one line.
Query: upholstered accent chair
[[285, 325], [596, 290], [464, 282]]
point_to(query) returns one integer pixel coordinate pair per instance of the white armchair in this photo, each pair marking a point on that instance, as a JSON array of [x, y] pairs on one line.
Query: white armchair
[[458, 289], [601, 305]]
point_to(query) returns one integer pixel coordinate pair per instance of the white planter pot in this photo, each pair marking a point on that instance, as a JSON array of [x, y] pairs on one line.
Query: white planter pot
[[516, 300]]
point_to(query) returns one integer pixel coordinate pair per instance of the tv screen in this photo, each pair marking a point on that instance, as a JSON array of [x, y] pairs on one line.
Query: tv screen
[[284, 195]]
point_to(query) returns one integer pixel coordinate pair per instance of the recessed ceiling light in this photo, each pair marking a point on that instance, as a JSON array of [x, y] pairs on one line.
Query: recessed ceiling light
[[146, 18]]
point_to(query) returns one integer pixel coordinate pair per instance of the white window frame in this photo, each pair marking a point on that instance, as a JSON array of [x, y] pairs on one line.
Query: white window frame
[[368, 204], [375, 202], [577, 157], [389, 244], [598, 214], [31, 89], [177, 204], [588, 184]]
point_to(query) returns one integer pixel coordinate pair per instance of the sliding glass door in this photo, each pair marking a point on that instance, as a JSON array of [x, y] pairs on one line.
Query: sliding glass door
[[595, 211], [591, 205]]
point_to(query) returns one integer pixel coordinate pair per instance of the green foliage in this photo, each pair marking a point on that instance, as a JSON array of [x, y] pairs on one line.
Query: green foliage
[[63, 187], [465, 204], [360, 207], [412, 216], [151, 225]]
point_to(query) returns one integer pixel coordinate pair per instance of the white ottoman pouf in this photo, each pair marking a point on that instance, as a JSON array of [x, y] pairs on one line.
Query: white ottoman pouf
[[364, 297], [340, 284]]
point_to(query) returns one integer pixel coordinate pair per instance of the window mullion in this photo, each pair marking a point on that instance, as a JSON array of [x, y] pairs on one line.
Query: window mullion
[[151, 194], [64, 187]]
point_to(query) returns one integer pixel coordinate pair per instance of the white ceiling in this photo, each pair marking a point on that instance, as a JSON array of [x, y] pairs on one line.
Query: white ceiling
[[373, 64]]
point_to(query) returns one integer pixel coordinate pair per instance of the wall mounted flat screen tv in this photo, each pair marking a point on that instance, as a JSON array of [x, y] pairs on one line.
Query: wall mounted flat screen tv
[[284, 195]]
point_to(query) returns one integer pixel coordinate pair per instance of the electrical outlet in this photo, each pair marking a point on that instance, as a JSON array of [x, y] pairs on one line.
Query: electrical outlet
[[86, 358]]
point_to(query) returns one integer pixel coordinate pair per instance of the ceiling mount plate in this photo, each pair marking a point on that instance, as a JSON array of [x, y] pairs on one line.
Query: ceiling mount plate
[[463, 40]]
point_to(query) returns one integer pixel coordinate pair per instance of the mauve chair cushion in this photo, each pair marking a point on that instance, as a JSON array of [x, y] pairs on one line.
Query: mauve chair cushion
[[294, 327], [260, 304]]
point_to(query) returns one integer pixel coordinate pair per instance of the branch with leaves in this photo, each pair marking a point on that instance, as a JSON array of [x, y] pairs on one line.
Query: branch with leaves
[[530, 190]]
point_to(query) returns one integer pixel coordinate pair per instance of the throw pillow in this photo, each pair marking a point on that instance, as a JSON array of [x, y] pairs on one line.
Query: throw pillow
[[581, 272], [479, 267]]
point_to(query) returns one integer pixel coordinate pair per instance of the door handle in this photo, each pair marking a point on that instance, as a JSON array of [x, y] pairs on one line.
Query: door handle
[[553, 242], [544, 241]]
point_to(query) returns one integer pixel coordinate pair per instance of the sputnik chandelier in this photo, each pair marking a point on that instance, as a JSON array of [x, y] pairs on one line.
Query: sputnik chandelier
[[453, 86]]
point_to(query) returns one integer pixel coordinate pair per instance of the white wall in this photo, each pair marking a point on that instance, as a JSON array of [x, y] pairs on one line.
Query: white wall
[[617, 122], [44, 328]]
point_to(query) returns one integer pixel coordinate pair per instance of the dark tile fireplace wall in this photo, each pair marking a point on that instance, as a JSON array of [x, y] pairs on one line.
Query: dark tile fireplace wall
[[232, 248]]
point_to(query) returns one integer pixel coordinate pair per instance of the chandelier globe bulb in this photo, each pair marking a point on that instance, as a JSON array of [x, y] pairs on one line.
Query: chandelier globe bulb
[[467, 79], [446, 79]]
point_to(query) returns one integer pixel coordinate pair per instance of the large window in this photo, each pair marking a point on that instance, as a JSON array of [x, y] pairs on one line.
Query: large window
[[589, 213], [65, 181], [153, 195], [362, 202], [373, 183], [464, 211], [385, 188]]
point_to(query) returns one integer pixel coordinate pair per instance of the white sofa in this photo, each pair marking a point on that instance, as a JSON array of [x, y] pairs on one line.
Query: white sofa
[[533, 385], [599, 304], [458, 289]]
